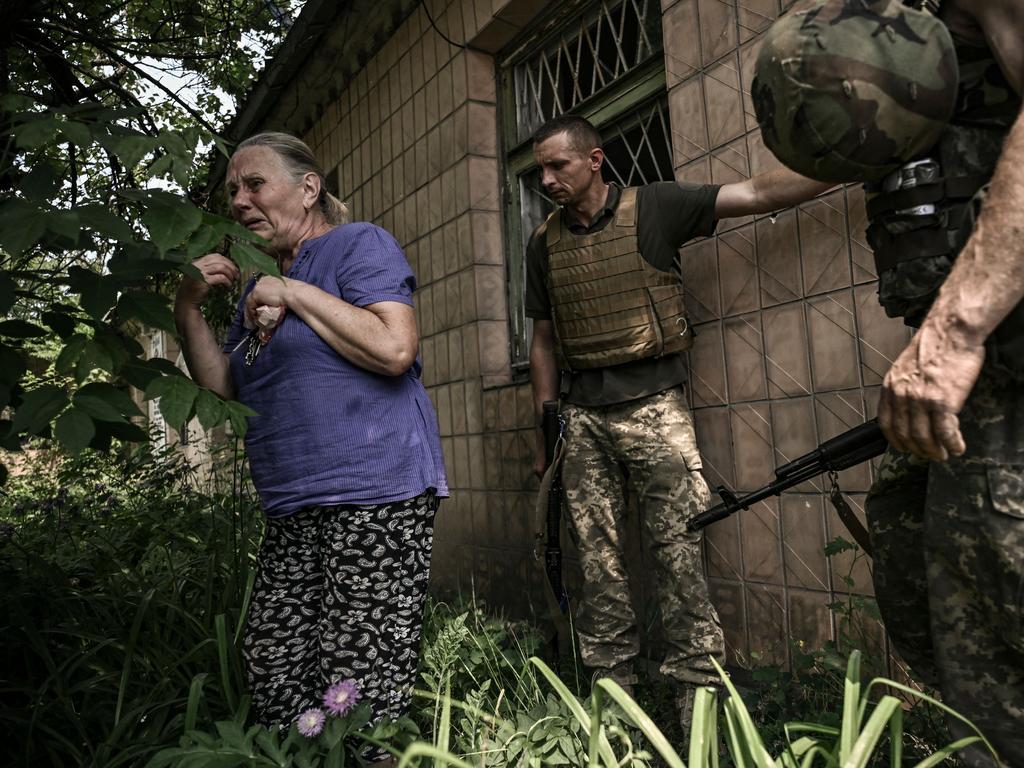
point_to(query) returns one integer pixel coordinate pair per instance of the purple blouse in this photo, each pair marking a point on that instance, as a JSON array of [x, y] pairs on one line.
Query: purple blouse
[[327, 431]]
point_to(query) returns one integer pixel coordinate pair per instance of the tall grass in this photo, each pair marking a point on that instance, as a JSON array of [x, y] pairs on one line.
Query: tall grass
[[123, 590]]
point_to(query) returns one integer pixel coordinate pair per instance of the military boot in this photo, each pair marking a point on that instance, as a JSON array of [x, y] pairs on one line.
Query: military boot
[[622, 673]]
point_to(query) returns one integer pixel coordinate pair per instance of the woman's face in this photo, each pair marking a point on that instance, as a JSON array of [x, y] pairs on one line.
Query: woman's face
[[265, 199]]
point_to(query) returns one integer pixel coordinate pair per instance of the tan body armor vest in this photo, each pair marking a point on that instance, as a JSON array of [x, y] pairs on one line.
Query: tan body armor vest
[[609, 305]]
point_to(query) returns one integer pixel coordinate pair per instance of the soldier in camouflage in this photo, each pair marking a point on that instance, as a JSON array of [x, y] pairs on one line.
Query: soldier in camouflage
[[602, 293], [923, 104]]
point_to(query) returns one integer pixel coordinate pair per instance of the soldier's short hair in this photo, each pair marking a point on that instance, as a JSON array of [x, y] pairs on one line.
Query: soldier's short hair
[[583, 136]]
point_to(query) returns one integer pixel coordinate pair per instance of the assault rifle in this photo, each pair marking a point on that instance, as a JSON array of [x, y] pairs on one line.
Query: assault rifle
[[853, 447], [551, 424]]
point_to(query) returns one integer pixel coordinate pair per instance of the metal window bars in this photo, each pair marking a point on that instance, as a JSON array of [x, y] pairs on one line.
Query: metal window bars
[[610, 40]]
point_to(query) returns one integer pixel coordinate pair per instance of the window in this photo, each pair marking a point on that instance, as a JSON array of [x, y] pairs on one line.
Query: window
[[602, 61]]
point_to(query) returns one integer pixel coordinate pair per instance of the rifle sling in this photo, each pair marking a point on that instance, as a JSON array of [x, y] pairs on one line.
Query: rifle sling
[[850, 519]]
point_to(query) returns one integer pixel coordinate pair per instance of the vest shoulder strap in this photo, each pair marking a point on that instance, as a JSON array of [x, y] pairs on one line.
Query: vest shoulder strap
[[625, 214], [554, 227]]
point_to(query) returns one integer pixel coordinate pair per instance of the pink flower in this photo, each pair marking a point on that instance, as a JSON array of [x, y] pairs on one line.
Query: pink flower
[[311, 722], [341, 697]]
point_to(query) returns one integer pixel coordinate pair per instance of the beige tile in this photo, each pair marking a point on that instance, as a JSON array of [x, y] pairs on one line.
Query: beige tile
[[435, 204], [681, 32], [688, 123], [483, 184], [458, 398], [851, 572], [722, 544], [477, 470], [862, 257], [495, 36], [445, 97], [459, 471], [803, 538], [762, 550], [724, 106], [432, 100], [525, 417], [752, 446], [699, 265], [471, 350], [519, 12], [881, 338], [479, 70], [452, 301], [707, 366], [491, 399], [482, 130], [486, 233], [696, 172], [833, 345], [441, 353], [493, 337], [474, 402], [467, 292], [778, 259], [838, 412], [434, 161], [728, 599], [714, 437], [443, 403], [737, 263], [744, 358], [809, 619], [794, 431], [729, 164], [457, 371], [507, 408], [824, 245], [492, 460], [717, 28], [460, 83], [490, 292], [785, 336], [761, 158], [766, 622]]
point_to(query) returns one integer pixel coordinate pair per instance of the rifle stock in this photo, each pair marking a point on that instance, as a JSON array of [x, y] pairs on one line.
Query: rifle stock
[[859, 444], [552, 428]]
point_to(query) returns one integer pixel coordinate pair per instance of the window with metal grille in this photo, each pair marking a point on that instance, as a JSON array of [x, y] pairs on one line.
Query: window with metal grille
[[602, 61]]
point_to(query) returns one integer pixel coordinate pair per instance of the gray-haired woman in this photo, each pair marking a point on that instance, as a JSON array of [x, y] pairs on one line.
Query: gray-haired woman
[[345, 450]]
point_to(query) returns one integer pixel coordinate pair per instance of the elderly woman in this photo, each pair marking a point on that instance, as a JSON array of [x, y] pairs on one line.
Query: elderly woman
[[344, 450]]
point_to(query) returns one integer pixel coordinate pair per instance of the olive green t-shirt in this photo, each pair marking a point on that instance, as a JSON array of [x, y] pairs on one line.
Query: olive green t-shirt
[[668, 215]]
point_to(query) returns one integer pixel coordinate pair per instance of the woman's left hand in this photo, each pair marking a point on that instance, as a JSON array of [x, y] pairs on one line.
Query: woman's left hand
[[268, 291]]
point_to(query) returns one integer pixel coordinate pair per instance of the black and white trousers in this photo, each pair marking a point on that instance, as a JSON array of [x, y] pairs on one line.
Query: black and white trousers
[[339, 595]]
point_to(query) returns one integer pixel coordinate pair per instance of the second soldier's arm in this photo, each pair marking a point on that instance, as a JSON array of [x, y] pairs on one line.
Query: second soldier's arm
[[930, 381], [766, 192]]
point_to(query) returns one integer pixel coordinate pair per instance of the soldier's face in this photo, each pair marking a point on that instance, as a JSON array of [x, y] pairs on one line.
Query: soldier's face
[[566, 173]]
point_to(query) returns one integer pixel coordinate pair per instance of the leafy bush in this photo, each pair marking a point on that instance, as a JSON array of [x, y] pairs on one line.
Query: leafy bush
[[124, 586]]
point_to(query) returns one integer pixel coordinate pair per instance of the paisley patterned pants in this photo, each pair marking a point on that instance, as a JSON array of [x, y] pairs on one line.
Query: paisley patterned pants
[[339, 595]]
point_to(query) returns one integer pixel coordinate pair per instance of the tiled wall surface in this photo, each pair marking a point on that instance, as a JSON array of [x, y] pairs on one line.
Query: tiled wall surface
[[791, 344]]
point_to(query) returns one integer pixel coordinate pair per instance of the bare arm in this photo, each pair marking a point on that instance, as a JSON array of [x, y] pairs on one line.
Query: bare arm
[[380, 337], [205, 359], [543, 380], [930, 381], [766, 192]]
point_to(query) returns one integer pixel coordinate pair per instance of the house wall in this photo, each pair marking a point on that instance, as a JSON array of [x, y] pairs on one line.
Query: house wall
[[791, 345]]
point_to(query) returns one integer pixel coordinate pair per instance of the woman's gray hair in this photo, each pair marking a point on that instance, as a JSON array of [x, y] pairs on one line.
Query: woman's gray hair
[[298, 160]]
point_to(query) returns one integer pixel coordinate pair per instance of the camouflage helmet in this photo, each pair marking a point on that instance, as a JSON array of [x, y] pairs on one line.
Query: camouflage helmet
[[849, 90]]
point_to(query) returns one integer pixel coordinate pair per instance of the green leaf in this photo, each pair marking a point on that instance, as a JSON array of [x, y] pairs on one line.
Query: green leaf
[[7, 292], [93, 356], [36, 132], [64, 223], [129, 148], [170, 219], [248, 257], [149, 308], [21, 329], [41, 183], [98, 292], [77, 133], [115, 401], [238, 415], [139, 373], [74, 430], [61, 322], [102, 221], [210, 409], [12, 364], [21, 226], [838, 545], [176, 395], [72, 350], [38, 408]]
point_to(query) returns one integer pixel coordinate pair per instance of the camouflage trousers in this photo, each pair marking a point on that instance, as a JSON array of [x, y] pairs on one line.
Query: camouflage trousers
[[948, 544], [648, 444]]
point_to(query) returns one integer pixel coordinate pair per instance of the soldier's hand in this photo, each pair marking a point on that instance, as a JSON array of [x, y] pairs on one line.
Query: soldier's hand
[[924, 391]]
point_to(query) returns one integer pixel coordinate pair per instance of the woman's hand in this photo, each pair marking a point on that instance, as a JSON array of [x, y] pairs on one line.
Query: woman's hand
[[217, 270], [268, 292]]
